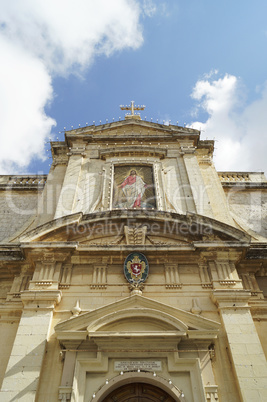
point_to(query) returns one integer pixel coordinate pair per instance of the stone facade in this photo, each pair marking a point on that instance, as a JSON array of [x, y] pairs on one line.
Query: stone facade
[[74, 329]]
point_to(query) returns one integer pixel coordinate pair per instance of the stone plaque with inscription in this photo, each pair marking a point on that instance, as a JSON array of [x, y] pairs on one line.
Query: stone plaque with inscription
[[131, 365]]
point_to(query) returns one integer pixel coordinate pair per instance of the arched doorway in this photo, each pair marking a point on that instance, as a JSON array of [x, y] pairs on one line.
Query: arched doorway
[[138, 392]]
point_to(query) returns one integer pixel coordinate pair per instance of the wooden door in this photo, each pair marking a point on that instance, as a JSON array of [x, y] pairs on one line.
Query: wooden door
[[138, 392]]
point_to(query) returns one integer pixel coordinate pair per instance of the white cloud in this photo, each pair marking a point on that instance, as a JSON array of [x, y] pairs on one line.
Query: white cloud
[[39, 39], [23, 95], [66, 34], [149, 8], [211, 73], [239, 128]]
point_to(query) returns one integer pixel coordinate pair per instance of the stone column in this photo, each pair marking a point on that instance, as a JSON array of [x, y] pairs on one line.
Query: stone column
[[245, 349], [24, 366]]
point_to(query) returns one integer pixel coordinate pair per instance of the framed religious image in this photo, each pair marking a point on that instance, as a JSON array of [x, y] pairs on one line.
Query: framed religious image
[[134, 187]]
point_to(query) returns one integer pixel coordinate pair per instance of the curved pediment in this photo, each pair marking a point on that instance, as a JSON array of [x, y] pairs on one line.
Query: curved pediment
[[136, 317], [135, 227], [140, 318]]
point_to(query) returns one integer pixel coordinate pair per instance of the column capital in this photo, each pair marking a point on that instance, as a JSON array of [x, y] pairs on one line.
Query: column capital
[[40, 299], [188, 149], [231, 298]]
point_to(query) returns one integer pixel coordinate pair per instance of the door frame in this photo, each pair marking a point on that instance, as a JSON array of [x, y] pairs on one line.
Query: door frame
[[142, 377]]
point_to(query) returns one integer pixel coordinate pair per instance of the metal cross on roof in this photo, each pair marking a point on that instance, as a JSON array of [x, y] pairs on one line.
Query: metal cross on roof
[[132, 108]]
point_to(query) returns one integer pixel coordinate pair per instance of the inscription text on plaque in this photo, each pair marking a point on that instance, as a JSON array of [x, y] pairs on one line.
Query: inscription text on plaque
[[129, 365]]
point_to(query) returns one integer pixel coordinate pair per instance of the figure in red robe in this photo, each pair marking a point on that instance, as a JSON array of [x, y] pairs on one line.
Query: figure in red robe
[[133, 188]]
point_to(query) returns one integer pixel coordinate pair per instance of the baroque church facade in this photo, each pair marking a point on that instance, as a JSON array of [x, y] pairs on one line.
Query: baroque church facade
[[133, 271]]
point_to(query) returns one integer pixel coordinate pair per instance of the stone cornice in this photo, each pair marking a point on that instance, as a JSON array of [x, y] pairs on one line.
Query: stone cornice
[[23, 182], [131, 123], [257, 252], [245, 185], [52, 225], [10, 252], [130, 129], [133, 151], [11, 311]]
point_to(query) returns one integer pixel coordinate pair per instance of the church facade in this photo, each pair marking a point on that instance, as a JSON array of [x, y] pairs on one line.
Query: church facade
[[133, 271]]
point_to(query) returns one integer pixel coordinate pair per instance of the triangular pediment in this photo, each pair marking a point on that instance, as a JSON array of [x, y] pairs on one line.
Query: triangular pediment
[[136, 317], [131, 127]]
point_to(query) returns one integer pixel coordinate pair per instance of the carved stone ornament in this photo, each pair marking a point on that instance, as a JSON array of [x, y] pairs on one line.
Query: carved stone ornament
[[136, 268], [136, 288]]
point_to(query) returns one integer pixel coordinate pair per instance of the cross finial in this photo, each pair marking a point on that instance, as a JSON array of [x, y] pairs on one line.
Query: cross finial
[[132, 108]]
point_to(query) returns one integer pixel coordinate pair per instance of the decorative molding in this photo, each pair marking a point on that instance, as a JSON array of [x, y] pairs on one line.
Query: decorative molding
[[136, 288], [223, 270], [188, 149], [65, 394], [46, 273], [205, 276], [65, 276], [211, 393], [227, 283], [233, 177], [195, 307], [249, 282], [22, 182], [99, 279], [207, 285], [80, 151], [205, 160], [174, 286], [135, 235], [43, 283], [172, 280], [60, 160], [133, 151], [76, 309], [20, 284]]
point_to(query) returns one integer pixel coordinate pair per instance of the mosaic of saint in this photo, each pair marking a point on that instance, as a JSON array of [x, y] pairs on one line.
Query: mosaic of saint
[[133, 187]]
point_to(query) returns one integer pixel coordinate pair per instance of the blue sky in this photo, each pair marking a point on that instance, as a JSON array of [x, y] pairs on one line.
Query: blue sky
[[202, 63]]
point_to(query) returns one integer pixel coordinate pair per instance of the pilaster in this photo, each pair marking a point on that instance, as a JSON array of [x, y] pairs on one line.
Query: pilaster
[[245, 349], [49, 198], [196, 181], [24, 366], [185, 190], [216, 194], [70, 186], [65, 389]]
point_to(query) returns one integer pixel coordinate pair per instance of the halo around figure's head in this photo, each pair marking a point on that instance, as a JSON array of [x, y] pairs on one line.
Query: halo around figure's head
[[133, 172]]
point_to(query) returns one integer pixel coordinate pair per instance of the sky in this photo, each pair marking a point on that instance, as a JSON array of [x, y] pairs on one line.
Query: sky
[[66, 63]]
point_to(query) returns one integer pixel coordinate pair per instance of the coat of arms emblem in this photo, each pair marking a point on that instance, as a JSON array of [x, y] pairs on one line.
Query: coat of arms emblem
[[136, 268]]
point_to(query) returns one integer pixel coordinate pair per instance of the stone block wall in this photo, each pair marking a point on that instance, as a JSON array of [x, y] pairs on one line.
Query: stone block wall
[[17, 212], [249, 208]]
